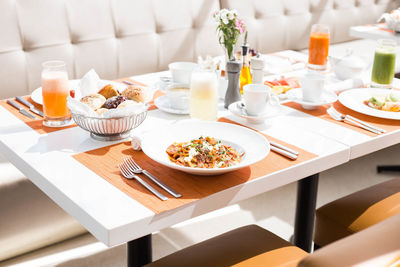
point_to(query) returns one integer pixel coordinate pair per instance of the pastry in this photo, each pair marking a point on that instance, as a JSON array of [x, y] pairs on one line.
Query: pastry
[[136, 93], [108, 91], [128, 103], [94, 101], [114, 101]]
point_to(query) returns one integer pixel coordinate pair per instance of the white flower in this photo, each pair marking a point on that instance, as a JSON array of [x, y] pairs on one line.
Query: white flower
[[224, 14], [234, 12], [225, 21], [231, 15]]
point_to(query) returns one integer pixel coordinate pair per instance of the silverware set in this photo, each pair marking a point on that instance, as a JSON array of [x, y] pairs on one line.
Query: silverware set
[[348, 118], [283, 150], [129, 169], [22, 110]]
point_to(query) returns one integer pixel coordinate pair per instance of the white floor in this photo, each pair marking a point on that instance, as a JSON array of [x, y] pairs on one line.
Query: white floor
[[273, 210]]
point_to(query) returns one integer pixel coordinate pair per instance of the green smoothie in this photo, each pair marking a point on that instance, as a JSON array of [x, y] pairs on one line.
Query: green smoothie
[[383, 69]]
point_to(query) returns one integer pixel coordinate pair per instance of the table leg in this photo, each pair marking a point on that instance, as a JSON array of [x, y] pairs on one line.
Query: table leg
[[307, 189], [388, 168], [139, 251]]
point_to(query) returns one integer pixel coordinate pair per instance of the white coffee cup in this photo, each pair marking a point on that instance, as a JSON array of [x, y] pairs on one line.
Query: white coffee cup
[[181, 71], [312, 85], [178, 96], [257, 97]]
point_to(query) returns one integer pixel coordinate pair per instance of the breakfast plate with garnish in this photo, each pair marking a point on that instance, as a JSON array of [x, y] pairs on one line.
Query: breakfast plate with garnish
[[381, 103], [204, 148]]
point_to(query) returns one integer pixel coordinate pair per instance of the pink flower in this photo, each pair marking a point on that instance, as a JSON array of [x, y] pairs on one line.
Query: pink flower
[[240, 25]]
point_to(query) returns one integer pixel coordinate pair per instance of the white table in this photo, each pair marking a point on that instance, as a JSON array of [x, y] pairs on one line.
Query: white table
[[115, 218], [374, 32]]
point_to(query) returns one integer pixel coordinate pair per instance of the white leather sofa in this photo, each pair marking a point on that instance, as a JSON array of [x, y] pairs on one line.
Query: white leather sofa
[[120, 38]]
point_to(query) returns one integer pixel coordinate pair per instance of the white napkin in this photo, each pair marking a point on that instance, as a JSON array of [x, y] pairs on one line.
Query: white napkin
[[89, 83], [136, 142], [345, 85]]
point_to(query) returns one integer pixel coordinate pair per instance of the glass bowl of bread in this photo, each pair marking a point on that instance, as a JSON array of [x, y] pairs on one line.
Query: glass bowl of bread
[[112, 112]]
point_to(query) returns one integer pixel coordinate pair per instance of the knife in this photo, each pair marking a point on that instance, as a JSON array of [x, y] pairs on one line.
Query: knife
[[284, 148], [21, 110], [284, 153], [29, 105]]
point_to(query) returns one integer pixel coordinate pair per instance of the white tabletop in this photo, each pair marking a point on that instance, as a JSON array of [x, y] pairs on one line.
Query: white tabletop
[[374, 32], [114, 218]]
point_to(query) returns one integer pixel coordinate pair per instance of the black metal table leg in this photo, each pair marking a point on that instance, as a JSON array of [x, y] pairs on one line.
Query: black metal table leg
[[388, 168], [307, 189], [139, 251]]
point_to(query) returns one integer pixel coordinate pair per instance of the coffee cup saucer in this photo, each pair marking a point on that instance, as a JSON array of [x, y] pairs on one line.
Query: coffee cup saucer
[[163, 103], [296, 95], [238, 109]]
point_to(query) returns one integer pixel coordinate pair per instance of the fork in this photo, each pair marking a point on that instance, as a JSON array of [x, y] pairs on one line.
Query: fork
[[133, 167], [130, 175], [360, 121], [340, 117]]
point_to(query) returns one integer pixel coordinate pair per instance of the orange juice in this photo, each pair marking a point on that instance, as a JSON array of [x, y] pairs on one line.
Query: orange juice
[[55, 92], [318, 48]]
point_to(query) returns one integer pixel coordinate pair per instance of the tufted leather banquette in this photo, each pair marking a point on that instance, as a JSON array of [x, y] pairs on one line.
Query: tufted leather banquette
[[126, 37]]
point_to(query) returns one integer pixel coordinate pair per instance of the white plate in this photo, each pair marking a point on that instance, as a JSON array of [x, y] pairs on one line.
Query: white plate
[[254, 145], [296, 95], [74, 85], [162, 103], [270, 112], [354, 99]]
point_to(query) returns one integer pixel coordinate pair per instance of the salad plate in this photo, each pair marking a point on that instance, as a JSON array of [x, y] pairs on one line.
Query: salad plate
[[296, 95], [36, 95], [357, 100], [251, 145]]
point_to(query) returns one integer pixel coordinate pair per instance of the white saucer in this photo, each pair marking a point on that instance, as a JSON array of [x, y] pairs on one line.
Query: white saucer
[[296, 95], [271, 111], [162, 103]]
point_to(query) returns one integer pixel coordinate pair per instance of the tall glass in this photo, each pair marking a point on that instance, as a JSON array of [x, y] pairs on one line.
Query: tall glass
[[55, 92], [318, 48], [384, 63], [204, 95]]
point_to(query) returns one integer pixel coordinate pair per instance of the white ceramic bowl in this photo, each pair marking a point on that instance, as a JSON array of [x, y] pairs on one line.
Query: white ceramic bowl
[[255, 146], [181, 71]]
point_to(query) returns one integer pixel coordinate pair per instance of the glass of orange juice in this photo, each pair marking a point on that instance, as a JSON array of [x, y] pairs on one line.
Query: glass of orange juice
[[319, 47], [55, 91]]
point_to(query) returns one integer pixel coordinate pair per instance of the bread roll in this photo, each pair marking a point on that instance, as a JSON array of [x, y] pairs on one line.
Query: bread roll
[[94, 101], [135, 93], [108, 91]]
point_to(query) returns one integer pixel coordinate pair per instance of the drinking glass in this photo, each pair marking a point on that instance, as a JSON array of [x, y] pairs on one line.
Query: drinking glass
[[384, 63], [55, 92], [318, 47], [204, 95]]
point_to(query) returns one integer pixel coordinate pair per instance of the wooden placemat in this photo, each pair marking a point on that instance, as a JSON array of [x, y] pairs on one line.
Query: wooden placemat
[[157, 93], [104, 161], [37, 123], [320, 112]]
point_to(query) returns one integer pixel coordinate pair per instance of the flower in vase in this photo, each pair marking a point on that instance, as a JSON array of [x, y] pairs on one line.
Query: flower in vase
[[229, 29]]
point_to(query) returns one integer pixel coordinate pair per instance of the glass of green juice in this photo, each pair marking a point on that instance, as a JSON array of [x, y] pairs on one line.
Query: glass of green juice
[[384, 63]]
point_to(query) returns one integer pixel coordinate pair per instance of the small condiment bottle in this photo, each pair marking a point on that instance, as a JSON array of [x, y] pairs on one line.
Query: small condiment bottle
[[245, 75], [257, 70]]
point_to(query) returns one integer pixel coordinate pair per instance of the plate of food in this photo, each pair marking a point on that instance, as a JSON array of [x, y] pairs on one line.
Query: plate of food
[[74, 89], [381, 103], [282, 85], [204, 148]]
